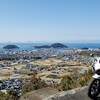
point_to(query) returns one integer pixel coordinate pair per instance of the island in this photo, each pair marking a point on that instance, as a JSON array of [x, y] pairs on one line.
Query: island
[[44, 46], [58, 45], [10, 47], [55, 45]]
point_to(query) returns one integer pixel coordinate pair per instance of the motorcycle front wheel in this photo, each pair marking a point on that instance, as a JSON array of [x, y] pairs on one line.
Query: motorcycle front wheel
[[94, 88]]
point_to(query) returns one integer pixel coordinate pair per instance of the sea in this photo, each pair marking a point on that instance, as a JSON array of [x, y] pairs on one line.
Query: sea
[[29, 46]]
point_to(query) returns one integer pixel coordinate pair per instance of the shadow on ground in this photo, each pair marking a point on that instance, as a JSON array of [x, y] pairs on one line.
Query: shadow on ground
[[98, 98]]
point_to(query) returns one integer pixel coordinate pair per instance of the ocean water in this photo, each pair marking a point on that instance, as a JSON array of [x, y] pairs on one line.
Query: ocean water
[[29, 46]]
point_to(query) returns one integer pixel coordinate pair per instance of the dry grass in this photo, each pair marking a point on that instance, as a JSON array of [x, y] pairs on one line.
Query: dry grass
[[6, 72], [49, 62], [1, 62]]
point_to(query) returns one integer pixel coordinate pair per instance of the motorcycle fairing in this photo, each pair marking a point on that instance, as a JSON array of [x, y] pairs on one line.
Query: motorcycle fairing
[[96, 76]]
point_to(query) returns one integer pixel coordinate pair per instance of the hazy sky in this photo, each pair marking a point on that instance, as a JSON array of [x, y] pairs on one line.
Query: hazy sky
[[49, 20]]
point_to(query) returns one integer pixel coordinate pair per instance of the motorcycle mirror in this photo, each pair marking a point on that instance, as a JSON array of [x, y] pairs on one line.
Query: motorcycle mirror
[[92, 55]]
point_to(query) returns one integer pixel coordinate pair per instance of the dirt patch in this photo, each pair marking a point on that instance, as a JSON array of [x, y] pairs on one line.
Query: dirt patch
[[39, 94]]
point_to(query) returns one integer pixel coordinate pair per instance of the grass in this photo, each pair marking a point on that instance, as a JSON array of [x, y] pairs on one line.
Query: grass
[[53, 76]]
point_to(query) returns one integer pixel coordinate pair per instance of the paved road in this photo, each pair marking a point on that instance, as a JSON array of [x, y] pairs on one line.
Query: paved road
[[78, 95]]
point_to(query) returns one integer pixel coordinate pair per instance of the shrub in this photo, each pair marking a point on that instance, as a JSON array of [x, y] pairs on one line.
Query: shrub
[[3, 96], [75, 80], [52, 76], [86, 77], [34, 84], [67, 83]]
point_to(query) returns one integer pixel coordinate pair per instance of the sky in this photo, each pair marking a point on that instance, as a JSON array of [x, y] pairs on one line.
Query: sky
[[49, 20]]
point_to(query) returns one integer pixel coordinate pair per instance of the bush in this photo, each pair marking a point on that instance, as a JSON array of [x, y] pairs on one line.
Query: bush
[[52, 76], [12, 95], [86, 77], [68, 82], [34, 84], [75, 80], [3, 96]]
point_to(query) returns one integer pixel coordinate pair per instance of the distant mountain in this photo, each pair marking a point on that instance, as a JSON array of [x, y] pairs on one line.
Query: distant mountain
[[55, 45], [58, 45], [10, 47]]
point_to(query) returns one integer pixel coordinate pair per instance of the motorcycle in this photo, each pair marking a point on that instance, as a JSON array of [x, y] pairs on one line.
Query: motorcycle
[[94, 86]]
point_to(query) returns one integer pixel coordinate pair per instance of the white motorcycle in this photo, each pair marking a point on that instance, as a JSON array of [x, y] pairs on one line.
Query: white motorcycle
[[94, 87]]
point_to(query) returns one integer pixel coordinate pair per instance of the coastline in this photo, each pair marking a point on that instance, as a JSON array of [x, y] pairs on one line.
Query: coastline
[[29, 46]]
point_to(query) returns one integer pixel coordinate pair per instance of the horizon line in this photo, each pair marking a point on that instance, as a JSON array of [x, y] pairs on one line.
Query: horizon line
[[70, 41]]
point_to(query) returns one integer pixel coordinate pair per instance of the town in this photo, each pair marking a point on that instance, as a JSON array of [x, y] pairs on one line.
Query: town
[[17, 67]]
